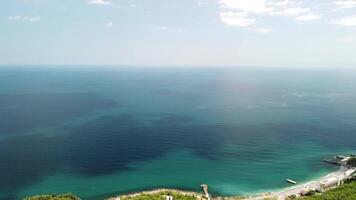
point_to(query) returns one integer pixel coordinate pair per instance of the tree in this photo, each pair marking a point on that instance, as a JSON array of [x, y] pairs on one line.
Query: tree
[[352, 162]]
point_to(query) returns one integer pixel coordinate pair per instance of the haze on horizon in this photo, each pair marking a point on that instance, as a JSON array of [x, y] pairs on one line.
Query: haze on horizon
[[282, 33]]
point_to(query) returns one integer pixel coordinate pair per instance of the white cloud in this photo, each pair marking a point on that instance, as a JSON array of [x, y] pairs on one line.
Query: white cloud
[[291, 11], [346, 21], [109, 24], [264, 7], [252, 6], [281, 3], [99, 2], [245, 13], [18, 17], [345, 3], [31, 19], [308, 17], [236, 19], [24, 18]]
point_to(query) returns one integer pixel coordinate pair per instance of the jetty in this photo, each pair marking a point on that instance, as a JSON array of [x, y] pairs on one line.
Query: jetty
[[338, 160], [204, 187]]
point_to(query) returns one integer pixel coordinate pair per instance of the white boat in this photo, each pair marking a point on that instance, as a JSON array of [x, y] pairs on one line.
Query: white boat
[[291, 181]]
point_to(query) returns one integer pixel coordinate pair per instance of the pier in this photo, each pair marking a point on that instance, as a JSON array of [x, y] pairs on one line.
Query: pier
[[205, 190], [336, 160]]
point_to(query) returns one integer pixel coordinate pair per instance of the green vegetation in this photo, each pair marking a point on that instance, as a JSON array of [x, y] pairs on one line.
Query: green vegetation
[[344, 192], [310, 193], [54, 197], [160, 196], [352, 162], [291, 197]]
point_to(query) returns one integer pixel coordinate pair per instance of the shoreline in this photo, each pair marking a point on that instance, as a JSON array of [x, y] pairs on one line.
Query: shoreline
[[198, 195], [278, 193], [158, 190]]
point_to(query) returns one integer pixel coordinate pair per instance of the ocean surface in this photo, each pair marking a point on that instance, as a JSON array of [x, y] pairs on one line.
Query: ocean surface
[[99, 132]]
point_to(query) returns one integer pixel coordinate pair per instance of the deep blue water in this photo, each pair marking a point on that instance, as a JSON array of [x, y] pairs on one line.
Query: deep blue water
[[99, 132]]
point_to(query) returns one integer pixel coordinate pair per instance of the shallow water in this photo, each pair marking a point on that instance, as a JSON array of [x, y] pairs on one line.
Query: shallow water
[[97, 133]]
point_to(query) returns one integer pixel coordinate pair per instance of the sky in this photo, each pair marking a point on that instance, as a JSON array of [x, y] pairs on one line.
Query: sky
[[276, 33]]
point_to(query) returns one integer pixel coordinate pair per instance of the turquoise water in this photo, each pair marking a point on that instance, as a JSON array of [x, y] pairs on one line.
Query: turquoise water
[[102, 132]]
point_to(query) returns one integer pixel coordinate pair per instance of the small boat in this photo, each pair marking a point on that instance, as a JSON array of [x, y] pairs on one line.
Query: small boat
[[291, 181]]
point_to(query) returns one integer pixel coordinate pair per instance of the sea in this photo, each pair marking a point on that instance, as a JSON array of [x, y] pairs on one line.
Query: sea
[[101, 131]]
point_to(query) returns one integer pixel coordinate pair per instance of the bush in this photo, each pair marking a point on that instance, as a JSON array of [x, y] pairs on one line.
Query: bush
[[352, 162], [54, 197], [310, 193], [350, 180], [291, 197], [159, 196]]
